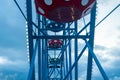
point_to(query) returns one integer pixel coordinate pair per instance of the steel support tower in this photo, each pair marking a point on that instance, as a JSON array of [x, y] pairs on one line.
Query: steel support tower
[[60, 63]]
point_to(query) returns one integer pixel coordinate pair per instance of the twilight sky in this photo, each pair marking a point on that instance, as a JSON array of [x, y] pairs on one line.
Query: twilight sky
[[13, 54]]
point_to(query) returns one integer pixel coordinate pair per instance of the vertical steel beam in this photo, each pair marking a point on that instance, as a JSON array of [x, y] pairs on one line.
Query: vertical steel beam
[[96, 61], [65, 55], [91, 42], [29, 24], [39, 52], [44, 54], [70, 59], [76, 52]]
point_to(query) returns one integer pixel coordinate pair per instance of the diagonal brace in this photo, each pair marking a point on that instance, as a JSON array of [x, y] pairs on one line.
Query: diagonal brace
[[96, 61]]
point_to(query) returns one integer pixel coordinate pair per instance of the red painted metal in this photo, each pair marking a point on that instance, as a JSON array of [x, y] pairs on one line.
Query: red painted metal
[[55, 43], [64, 10]]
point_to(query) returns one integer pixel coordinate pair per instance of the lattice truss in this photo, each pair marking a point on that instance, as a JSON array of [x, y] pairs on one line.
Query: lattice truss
[[59, 48]]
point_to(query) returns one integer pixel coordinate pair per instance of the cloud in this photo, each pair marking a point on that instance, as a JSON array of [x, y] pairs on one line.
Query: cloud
[[12, 75], [13, 54], [107, 40], [12, 60], [115, 78], [109, 59], [13, 70], [100, 47], [4, 61]]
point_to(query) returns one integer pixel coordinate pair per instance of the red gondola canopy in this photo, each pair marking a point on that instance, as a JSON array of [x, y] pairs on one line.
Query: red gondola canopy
[[64, 10]]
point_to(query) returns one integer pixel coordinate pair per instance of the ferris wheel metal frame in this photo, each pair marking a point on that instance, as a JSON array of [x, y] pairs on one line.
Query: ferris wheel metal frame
[[43, 54], [38, 37]]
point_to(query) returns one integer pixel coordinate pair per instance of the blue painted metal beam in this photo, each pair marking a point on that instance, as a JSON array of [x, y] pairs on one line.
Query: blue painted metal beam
[[39, 51], [61, 37], [79, 56], [76, 51], [44, 54], [83, 28], [70, 55], [65, 55], [91, 41], [32, 63], [20, 10], [108, 15], [96, 60], [30, 27]]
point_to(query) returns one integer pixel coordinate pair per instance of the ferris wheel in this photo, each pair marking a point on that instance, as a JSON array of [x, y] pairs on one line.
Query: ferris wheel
[[63, 33]]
